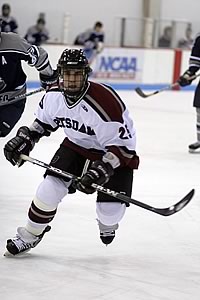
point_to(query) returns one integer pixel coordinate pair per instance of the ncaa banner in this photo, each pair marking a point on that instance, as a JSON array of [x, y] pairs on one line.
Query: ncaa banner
[[118, 65]]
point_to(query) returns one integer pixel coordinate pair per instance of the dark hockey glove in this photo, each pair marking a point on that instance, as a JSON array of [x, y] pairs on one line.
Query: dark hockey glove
[[99, 173], [47, 81], [184, 79], [23, 143]]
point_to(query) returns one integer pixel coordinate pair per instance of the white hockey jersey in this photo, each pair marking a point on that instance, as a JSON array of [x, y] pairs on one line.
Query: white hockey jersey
[[97, 122]]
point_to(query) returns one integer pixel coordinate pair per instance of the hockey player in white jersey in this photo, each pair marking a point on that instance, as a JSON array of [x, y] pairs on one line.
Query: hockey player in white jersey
[[14, 50], [99, 147]]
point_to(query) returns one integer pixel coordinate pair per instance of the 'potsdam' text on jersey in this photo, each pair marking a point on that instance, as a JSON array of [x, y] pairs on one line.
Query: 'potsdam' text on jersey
[[99, 120]]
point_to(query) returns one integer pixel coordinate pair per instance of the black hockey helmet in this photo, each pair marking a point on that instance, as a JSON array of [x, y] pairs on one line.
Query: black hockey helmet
[[73, 70]]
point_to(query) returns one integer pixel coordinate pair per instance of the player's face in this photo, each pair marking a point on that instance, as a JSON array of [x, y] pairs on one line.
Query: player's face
[[6, 11], [73, 80]]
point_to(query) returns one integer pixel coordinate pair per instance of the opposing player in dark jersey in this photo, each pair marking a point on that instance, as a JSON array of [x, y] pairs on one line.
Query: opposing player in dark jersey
[[99, 147], [184, 80], [38, 33], [14, 50], [92, 41]]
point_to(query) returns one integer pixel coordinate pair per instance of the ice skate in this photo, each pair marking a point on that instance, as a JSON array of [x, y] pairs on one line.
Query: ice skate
[[107, 237], [107, 233], [193, 147], [23, 241]]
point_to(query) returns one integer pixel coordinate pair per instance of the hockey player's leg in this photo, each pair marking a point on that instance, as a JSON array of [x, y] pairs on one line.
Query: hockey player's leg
[[109, 215], [196, 146], [41, 212], [109, 210]]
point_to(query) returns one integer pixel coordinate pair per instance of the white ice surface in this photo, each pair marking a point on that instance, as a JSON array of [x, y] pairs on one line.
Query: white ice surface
[[152, 257]]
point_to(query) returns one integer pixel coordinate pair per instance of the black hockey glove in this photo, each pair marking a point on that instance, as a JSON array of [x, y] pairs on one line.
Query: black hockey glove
[[99, 173], [47, 81], [184, 79], [23, 143]]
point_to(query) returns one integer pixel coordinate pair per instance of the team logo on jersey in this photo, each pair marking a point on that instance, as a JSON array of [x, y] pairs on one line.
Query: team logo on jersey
[[74, 124], [84, 107], [33, 53]]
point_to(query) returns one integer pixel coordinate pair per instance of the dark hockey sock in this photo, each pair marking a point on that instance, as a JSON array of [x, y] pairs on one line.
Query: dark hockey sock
[[40, 216]]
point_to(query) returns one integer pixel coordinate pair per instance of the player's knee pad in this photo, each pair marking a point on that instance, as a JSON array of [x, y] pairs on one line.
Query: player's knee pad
[[110, 213], [52, 190]]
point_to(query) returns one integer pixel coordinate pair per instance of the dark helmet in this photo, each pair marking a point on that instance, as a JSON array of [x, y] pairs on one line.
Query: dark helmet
[[73, 61]]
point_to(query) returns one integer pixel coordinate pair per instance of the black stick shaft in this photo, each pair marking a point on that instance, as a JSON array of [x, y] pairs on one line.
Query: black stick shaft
[[161, 211], [20, 97], [166, 88]]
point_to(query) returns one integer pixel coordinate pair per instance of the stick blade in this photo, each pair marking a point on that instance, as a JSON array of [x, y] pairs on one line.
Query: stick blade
[[140, 92], [178, 206]]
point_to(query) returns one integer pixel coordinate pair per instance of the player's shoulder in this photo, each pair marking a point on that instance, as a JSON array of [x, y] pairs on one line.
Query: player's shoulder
[[53, 92], [13, 19], [10, 36], [102, 91], [103, 97], [13, 41], [51, 98]]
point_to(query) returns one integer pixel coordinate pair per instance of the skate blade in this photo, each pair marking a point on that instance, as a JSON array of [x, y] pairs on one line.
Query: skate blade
[[7, 254], [197, 151]]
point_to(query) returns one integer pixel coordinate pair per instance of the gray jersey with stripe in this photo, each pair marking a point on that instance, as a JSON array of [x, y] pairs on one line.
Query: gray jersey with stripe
[[14, 50]]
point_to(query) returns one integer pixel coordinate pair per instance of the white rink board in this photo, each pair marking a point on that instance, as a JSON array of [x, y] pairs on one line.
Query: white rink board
[[115, 61]]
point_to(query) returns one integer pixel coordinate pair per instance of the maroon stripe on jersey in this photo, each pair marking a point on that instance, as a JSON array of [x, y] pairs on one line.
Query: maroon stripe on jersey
[[116, 95], [127, 157], [105, 101]]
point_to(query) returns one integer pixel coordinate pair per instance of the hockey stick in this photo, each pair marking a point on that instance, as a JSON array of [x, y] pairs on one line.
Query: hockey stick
[[161, 211], [143, 95], [20, 97], [168, 87]]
